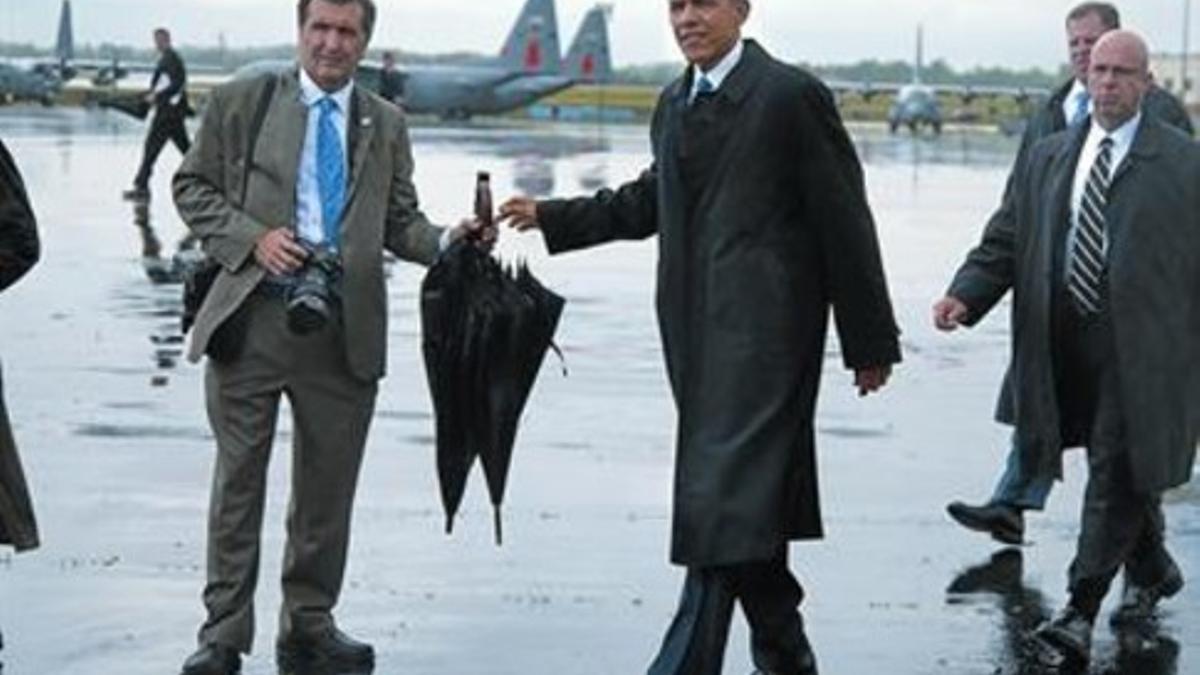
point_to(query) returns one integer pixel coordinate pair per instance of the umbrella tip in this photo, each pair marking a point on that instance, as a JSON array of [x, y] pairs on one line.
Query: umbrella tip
[[449, 524], [496, 525]]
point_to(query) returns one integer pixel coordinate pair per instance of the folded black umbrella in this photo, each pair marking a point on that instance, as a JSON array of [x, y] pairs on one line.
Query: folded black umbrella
[[486, 332], [134, 105]]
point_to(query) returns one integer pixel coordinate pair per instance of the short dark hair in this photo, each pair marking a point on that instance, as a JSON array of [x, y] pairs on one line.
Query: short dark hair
[[368, 8], [1108, 14]]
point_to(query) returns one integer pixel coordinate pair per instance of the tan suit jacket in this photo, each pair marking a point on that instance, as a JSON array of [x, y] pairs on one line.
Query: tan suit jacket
[[381, 212]]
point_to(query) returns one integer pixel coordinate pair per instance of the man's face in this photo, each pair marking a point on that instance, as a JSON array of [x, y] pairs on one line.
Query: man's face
[[1082, 35], [1117, 81], [332, 42], [161, 40], [707, 29]]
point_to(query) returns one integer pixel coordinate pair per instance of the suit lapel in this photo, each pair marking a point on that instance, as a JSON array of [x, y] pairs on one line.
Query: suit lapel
[[280, 143], [360, 130], [1062, 180], [1124, 195], [1144, 148], [729, 99]]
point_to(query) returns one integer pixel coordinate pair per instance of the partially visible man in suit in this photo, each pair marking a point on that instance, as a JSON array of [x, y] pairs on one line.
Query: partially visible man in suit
[[296, 185], [757, 197], [1103, 257], [168, 95], [1018, 490], [19, 250], [391, 81]]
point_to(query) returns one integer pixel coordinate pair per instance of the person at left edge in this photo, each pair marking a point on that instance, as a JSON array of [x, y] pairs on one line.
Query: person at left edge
[[19, 251], [332, 167], [168, 95]]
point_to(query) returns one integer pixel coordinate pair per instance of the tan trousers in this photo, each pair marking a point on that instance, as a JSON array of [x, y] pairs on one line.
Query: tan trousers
[[331, 414]]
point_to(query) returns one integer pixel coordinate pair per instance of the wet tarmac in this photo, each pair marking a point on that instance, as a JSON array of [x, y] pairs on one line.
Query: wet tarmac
[[115, 441]]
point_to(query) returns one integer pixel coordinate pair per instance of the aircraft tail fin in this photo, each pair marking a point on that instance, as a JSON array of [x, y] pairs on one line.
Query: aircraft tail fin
[[533, 45], [590, 58], [64, 46]]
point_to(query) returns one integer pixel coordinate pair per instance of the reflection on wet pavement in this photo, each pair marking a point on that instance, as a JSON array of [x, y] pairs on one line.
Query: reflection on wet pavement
[[1144, 649]]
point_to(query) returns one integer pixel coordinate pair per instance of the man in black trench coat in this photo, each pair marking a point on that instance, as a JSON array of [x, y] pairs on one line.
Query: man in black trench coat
[[1103, 260], [757, 198]]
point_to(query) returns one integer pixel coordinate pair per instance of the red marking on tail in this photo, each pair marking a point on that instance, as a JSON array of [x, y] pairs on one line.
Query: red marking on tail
[[588, 66], [533, 55]]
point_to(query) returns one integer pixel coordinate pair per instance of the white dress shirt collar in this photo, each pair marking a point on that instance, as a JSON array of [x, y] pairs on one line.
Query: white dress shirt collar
[[1122, 138], [310, 92], [717, 74]]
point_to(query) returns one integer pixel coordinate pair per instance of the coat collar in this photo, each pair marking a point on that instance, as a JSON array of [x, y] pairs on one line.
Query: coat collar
[[737, 85]]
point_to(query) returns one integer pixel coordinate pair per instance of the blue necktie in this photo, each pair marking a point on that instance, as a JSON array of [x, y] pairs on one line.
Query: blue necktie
[[704, 90], [1081, 108], [331, 172]]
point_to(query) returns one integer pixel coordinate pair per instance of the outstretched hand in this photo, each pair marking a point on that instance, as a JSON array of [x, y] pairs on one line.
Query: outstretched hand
[[520, 212]]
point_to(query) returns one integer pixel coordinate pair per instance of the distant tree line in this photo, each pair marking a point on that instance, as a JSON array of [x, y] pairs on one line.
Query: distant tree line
[[657, 74], [938, 72]]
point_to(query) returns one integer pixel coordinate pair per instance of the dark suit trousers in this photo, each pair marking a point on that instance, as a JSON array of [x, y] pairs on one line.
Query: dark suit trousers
[[1120, 527], [331, 412], [769, 595], [167, 125]]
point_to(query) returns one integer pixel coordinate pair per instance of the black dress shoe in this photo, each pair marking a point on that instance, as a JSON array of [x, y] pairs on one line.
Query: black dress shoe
[[1068, 635], [1005, 523], [330, 650], [213, 659], [1138, 603]]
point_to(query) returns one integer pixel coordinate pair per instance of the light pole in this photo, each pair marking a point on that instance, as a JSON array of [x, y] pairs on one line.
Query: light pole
[[1183, 61]]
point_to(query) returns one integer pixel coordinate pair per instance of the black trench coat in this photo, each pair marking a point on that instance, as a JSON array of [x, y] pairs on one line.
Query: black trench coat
[[746, 278], [1152, 220], [18, 252]]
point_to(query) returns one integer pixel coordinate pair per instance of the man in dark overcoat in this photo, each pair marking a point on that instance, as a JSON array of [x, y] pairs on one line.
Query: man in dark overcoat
[[757, 197], [1103, 258], [19, 250], [1018, 490]]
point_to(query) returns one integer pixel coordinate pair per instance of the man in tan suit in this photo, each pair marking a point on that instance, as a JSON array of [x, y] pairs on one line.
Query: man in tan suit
[[285, 165]]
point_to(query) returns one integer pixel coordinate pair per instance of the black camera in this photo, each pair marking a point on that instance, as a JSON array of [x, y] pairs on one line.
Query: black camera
[[314, 298]]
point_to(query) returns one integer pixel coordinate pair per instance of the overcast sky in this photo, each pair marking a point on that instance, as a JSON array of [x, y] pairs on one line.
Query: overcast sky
[[1015, 33]]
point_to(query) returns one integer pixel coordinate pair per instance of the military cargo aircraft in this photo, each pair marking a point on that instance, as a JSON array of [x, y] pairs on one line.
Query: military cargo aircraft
[[528, 67]]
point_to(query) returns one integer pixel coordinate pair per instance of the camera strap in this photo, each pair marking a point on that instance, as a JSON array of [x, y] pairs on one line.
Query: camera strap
[[256, 123]]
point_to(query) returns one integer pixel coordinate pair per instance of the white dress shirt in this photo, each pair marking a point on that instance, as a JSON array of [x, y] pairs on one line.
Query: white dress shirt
[[1070, 104], [1122, 138], [719, 72], [309, 225]]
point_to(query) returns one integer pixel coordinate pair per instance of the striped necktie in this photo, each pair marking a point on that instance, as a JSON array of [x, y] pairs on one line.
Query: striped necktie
[[331, 171], [1086, 271]]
